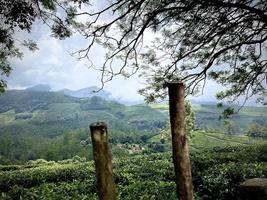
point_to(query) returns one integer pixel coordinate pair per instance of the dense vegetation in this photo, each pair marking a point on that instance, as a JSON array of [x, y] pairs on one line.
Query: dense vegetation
[[181, 52], [216, 175], [51, 125]]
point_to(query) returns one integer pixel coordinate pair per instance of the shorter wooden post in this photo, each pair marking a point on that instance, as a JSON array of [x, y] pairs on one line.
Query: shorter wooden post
[[105, 184]]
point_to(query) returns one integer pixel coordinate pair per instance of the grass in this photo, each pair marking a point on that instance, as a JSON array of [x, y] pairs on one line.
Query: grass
[[7, 117], [207, 117], [159, 106], [202, 139], [250, 111]]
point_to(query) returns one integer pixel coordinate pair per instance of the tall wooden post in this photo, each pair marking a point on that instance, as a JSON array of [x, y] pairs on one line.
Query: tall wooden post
[[105, 184], [180, 149]]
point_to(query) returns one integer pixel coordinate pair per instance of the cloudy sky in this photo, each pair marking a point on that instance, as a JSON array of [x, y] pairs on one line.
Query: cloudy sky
[[53, 64]]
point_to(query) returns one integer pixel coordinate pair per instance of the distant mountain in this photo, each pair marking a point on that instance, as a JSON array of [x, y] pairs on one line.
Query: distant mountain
[[30, 100], [87, 92], [94, 91], [40, 88]]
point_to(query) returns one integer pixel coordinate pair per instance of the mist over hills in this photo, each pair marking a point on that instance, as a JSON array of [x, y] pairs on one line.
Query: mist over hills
[[87, 92], [39, 88], [91, 91], [80, 93]]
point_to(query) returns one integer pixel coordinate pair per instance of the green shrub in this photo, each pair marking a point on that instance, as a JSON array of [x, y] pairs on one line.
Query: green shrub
[[221, 181], [35, 176], [10, 167], [75, 189], [148, 190], [216, 175]]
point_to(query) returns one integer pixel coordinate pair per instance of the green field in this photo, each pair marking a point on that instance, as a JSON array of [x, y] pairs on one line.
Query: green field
[[202, 139], [207, 118], [216, 175]]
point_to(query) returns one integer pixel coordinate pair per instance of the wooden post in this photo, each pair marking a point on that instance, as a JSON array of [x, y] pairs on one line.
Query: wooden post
[[105, 184], [180, 149]]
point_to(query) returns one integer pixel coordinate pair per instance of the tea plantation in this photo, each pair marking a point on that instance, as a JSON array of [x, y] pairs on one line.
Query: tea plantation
[[217, 173]]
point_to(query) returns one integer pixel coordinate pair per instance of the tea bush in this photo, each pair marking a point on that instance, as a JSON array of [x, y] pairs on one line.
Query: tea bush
[[221, 181], [216, 173]]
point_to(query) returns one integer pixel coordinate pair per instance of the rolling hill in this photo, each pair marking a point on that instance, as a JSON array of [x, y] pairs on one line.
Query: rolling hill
[[43, 124], [38, 123], [207, 118], [51, 113]]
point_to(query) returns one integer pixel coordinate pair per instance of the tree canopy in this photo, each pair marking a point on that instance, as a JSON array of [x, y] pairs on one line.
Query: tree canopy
[[191, 40], [19, 15]]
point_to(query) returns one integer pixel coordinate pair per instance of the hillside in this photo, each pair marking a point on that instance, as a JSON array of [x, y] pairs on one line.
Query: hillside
[[51, 113], [207, 118], [51, 125], [43, 124], [35, 124]]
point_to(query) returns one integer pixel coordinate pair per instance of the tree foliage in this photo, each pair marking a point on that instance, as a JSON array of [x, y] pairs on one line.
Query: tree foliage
[[192, 41], [256, 130], [19, 15], [190, 123]]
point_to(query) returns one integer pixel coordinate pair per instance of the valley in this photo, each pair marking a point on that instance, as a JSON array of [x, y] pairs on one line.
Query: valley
[[46, 151], [38, 123]]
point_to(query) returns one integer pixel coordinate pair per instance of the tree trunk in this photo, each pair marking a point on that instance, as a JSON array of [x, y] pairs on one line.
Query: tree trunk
[[105, 184], [180, 149]]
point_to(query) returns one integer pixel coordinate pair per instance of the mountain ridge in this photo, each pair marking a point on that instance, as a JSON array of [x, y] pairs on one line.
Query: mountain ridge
[[40, 88], [86, 92]]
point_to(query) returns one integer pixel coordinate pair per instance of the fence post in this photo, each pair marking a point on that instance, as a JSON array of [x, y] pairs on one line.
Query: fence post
[[180, 149], [105, 184]]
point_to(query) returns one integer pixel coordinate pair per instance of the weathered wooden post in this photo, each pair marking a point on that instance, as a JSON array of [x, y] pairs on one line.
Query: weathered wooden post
[[105, 184], [179, 141]]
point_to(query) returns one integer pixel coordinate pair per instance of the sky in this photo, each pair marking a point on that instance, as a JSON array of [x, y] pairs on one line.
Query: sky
[[54, 65]]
